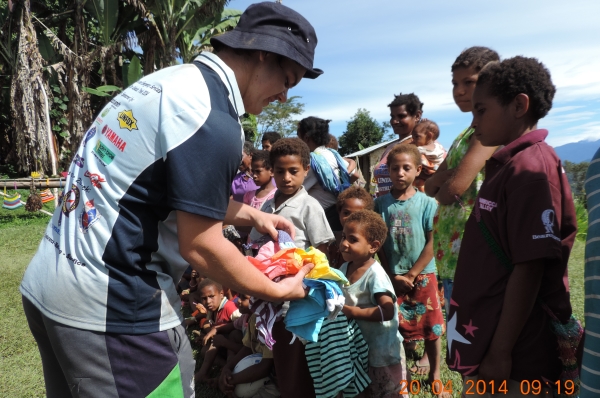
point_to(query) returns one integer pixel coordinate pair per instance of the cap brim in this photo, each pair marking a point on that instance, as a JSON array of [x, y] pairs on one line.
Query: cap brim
[[258, 41]]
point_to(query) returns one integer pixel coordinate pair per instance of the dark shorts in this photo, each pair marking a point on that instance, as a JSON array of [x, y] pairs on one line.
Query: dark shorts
[[84, 363]]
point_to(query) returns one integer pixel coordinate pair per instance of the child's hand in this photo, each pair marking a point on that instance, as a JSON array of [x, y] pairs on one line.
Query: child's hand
[[347, 310], [201, 308], [495, 367], [402, 285], [209, 336], [224, 380]]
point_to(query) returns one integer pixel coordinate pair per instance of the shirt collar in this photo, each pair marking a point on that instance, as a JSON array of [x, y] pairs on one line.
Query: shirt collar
[[227, 76], [524, 141], [295, 201]]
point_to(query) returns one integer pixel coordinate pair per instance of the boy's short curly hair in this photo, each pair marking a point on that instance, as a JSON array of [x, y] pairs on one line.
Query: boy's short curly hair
[[372, 224], [248, 148], [290, 146], [262, 156], [209, 283], [475, 57], [314, 128], [355, 192], [404, 148], [430, 126], [271, 136], [412, 103], [520, 75]]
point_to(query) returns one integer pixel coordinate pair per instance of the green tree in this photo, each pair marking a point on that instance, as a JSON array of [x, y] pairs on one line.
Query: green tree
[[250, 127], [279, 116], [361, 131], [576, 174]]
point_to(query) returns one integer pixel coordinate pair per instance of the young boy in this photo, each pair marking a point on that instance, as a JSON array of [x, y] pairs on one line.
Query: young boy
[[290, 158], [268, 139], [256, 376], [407, 254], [497, 329], [219, 312]]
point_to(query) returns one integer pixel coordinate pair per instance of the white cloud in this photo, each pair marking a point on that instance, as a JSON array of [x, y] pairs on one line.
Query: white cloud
[[585, 132]]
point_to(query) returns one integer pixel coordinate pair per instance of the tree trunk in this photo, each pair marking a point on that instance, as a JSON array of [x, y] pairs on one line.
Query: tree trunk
[[28, 104]]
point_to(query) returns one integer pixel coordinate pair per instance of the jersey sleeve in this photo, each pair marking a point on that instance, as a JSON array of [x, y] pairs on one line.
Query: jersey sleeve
[[199, 170], [533, 214]]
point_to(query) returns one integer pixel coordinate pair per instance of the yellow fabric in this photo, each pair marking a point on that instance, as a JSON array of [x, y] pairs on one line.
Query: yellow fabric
[[296, 258]]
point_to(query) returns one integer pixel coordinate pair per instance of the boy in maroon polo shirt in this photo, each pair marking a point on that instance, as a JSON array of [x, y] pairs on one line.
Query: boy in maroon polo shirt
[[497, 331]]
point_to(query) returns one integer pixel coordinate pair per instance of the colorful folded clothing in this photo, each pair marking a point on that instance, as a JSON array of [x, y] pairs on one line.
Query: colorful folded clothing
[[12, 202], [46, 195]]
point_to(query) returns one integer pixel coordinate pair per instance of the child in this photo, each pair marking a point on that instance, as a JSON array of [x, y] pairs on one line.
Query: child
[[425, 135], [257, 374], [349, 201], [262, 174], [243, 182], [461, 173], [517, 240], [407, 254], [290, 158], [268, 139], [219, 311], [371, 301]]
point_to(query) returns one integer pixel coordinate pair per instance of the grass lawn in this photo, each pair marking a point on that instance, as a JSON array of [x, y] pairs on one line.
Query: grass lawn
[[20, 366]]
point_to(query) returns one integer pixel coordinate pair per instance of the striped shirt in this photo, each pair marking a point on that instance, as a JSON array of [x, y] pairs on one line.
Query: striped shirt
[[339, 361], [590, 371], [109, 260]]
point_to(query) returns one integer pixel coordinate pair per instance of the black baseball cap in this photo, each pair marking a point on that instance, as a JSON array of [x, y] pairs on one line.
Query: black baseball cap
[[273, 27]]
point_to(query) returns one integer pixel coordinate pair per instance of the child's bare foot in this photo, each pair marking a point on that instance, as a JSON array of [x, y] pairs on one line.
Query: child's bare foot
[[421, 366]]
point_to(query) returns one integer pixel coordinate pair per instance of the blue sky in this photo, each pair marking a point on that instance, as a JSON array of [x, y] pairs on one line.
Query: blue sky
[[371, 50]]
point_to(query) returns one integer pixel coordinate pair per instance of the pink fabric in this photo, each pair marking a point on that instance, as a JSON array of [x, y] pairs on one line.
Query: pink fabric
[[251, 200]]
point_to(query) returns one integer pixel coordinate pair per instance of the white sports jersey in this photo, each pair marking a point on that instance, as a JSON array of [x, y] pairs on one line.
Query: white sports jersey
[[109, 259]]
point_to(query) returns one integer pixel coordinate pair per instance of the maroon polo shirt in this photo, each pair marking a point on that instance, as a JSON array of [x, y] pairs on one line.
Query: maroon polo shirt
[[526, 203]]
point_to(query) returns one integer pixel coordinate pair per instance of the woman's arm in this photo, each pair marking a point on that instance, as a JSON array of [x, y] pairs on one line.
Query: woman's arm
[[466, 171], [384, 311]]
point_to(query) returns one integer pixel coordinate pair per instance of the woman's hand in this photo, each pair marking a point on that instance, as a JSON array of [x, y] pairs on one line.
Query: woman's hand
[[266, 223]]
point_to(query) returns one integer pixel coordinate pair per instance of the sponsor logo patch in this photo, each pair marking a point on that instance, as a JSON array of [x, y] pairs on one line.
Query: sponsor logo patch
[[103, 153], [114, 138], [127, 121], [548, 217], [88, 136], [70, 202], [79, 161], [89, 216], [95, 178], [105, 112]]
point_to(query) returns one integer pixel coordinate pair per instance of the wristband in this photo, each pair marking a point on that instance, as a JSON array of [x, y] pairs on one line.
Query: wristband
[[380, 312]]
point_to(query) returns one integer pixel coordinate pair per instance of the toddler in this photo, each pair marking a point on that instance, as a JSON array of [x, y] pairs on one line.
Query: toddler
[[425, 135], [349, 201], [262, 174], [407, 254], [371, 301]]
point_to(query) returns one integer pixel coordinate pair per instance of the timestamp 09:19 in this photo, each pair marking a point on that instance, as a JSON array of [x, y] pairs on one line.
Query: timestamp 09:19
[[535, 387]]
